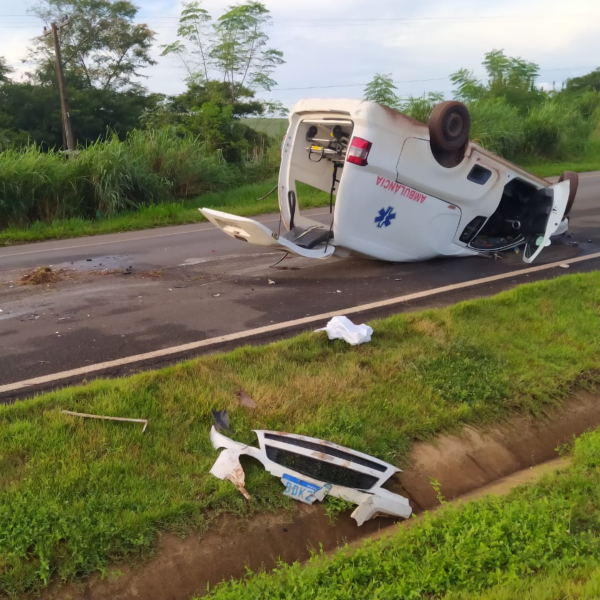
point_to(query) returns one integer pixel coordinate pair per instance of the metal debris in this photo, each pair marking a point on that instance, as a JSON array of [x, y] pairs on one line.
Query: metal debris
[[221, 419]]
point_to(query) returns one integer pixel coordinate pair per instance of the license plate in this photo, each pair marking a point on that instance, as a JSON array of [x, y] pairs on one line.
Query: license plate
[[303, 491]]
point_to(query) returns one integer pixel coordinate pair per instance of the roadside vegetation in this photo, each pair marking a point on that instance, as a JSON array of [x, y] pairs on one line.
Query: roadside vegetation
[[512, 117], [246, 200], [143, 159], [541, 542], [76, 494], [111, 177]]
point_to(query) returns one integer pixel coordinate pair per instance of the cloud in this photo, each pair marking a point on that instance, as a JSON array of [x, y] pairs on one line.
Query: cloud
[[337, 43]]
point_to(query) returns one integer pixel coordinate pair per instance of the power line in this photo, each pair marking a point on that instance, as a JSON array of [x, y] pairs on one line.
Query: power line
[[536, 17], [345, 85]]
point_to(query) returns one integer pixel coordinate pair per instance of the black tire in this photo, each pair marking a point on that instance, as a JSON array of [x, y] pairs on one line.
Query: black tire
[[573, 179], [449, 126]]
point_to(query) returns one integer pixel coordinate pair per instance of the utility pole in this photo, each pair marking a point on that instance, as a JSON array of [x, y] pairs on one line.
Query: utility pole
[[68, 138]]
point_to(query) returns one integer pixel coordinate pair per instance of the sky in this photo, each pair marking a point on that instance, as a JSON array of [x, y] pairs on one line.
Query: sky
[[333, 48]]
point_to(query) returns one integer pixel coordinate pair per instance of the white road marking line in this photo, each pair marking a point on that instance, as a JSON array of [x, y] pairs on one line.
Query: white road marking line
[[240, 335], [135, 239]]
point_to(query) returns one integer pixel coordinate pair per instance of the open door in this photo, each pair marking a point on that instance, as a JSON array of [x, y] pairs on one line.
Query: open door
[[248, 230], [548, 224]]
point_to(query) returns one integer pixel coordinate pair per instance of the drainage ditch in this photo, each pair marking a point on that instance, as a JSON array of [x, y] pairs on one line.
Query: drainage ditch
[[467, 466]]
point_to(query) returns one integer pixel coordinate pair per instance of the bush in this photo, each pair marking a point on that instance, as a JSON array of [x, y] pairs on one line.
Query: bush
[[420, 107], [111, 176], [497, 126], [556, 129], [559, 127]]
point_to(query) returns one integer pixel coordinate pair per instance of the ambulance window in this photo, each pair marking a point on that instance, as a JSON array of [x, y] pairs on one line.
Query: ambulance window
[[479, 175]]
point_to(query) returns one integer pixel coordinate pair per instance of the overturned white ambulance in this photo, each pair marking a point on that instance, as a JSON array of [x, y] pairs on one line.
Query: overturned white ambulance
[[404, 191]]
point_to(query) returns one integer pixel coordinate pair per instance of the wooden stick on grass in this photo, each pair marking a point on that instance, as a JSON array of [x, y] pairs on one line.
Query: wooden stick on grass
[[76, 414]]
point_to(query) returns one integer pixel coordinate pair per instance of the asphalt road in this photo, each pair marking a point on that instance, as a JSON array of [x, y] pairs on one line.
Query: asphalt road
[[192, 282]]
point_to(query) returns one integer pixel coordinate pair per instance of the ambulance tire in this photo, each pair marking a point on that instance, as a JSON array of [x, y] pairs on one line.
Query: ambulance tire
[[449, 126], [573, 179]]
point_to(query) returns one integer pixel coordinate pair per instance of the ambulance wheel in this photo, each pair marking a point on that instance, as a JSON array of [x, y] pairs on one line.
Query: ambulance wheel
[[573, 179], [449, 126]]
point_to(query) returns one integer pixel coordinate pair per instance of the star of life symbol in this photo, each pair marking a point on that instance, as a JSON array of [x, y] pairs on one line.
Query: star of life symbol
[[385, 216]]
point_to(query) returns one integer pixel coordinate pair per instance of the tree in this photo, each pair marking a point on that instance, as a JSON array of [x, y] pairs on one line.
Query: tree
[[507, 77], [589, 82], [381, 90], [5, 70], [205, 110], [101, 46], [232, 50], [31, 114], [469, 87], [195, 42]]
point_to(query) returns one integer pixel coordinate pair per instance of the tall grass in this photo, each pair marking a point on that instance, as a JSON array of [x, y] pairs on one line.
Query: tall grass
[[559, 128], [109, 177]]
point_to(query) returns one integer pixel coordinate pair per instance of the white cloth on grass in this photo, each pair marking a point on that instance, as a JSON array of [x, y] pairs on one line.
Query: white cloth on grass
[[344, 329]]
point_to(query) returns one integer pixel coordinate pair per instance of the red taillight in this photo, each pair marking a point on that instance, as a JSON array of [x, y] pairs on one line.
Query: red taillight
[[359, 151]]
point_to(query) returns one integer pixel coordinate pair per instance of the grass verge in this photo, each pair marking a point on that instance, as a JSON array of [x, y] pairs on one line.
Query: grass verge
[[241, 201], [487, 549], [76, 494]]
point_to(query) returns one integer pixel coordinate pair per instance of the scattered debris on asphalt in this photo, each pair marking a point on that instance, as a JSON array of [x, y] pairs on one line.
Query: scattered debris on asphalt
[[564, 266], [343, 328], [128, 270], [42, 275], [221, 419], [87, 416], [216, 295], [271, 282], [311, 468], [246, 400]]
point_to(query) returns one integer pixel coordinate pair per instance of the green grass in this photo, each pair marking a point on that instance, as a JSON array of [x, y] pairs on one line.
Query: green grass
[[549, 168], [76, 494], [241, 201], [540, 542], [562, 583]]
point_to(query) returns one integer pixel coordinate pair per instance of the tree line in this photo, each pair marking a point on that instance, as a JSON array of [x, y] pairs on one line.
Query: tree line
[[105, 51], [227, 60], [510, 114]]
